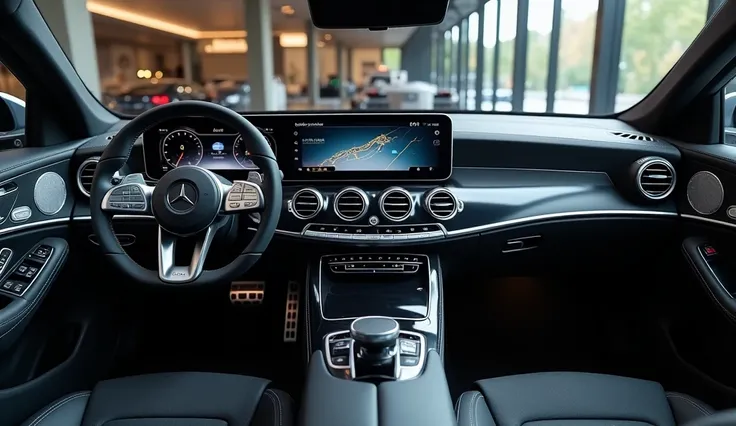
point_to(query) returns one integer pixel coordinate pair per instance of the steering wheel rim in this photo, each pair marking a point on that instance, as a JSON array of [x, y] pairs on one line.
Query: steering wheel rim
[[115, 156]]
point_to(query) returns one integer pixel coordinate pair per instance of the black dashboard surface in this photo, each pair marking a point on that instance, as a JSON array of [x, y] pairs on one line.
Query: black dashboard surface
[[507, 171]]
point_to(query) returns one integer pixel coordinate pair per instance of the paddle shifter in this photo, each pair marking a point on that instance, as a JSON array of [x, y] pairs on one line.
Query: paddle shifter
[[374, 348]]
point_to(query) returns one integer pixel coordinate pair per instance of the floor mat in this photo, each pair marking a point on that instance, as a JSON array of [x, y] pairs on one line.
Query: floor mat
[[203, 331], [523, 325]]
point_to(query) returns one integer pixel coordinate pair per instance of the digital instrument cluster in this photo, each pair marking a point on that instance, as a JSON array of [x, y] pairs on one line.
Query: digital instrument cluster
[[311, 147]]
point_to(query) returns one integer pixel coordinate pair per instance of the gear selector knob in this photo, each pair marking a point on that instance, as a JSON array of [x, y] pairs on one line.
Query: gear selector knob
[[375, 331], [375, 342]]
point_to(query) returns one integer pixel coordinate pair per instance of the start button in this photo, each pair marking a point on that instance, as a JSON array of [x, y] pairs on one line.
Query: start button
[[731, 212]]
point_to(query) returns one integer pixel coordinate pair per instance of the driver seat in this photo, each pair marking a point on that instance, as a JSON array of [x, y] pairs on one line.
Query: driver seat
[[182, 399]]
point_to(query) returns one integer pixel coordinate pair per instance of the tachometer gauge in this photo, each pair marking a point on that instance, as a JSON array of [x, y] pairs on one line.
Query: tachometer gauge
[[182, 148], [242, 155]]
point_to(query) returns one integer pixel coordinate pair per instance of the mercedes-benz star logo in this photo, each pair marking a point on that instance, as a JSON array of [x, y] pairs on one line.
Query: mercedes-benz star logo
[[182, 198]]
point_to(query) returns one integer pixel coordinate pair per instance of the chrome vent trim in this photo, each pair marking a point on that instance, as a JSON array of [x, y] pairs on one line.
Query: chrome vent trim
[[396, 204], [634, 136], [306, 203], [656, 179], [441, 204], [85, 174], [351, 204]]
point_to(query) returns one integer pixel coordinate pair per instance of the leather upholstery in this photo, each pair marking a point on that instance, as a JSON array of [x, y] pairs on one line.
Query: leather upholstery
[[578, 399], [176, 399]]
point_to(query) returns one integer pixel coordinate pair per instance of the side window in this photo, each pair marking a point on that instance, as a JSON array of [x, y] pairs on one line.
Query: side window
[[12, 110], [729, 112]]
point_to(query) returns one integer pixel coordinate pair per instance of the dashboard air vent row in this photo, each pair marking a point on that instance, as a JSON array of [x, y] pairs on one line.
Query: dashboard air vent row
[[306, 203], [396, 204], [656, 179], [85, 173], [634, 136], [441, 204], [351, 204]]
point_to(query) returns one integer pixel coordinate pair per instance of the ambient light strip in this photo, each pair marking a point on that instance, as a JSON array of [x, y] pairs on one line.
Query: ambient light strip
[[158, 24]]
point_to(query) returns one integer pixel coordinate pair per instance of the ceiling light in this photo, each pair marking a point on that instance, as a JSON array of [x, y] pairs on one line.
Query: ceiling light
[[159, 74], [287, 10], [293, 40], [227, 45], [157, 24], [328, 37], [320, 44], [142, 20]]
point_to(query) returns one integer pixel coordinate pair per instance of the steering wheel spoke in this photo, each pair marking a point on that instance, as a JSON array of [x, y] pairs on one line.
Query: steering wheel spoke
[[168, 270], [131, 197], [242, 197]]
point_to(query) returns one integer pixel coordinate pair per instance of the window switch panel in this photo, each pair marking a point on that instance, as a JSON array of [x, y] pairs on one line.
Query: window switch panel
[[25, 274]]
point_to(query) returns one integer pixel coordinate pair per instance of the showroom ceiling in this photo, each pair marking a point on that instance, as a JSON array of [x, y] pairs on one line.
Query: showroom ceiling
[[223, 18]]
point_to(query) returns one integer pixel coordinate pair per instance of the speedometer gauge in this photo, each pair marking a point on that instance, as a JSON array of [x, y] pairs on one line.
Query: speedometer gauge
[[182, 148], [242, 155]]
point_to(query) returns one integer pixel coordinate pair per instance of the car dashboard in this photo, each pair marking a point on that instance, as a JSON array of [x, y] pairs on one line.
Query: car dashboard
[[406, 179]]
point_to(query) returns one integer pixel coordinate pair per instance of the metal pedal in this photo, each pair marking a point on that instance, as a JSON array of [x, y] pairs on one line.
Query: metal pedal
[[291, 319], [247, 292]]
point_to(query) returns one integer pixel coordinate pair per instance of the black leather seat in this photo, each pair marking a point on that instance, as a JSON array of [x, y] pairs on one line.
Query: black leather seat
[[579, 399], [181, 399]]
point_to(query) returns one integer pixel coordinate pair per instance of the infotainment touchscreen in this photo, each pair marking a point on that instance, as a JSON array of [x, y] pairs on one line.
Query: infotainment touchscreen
[[310, 147], [372, 147]]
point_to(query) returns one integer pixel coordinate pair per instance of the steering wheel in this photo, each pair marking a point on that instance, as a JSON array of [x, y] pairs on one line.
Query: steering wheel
[[188, 201]]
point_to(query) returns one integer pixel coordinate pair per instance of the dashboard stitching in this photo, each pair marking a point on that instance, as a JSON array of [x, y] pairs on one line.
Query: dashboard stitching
[[37, 299]]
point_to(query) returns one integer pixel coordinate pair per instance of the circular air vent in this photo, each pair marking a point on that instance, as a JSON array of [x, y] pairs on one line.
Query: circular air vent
[[441, 204], [306, 203], [656, 178], [351, 204], [85, 173], [395, 204]]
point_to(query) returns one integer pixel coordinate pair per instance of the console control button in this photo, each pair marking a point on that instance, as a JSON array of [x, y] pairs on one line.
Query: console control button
[[374, 233], [409, 347], [7, 285], [409, 361], [340, 347], [340, 361]]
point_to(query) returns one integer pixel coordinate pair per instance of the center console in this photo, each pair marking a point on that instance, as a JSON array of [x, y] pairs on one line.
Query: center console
[[374, 328]]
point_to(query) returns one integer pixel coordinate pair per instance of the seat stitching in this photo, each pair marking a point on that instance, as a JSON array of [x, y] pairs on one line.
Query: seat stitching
[[689, 400], [458, 406], [277, 401], [470, 408], [56, 406], [475, 407]]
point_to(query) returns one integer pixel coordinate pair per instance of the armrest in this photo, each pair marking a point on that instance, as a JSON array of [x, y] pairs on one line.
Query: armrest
[[718, 286], [15, 316], [329, 401], [423, 401]]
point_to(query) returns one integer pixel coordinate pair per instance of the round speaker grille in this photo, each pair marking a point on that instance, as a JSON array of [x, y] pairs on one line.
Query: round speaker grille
[[705, 193], [49, 194]]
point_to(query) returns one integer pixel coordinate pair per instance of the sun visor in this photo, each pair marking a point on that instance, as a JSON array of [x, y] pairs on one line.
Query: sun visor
[[376, 14]]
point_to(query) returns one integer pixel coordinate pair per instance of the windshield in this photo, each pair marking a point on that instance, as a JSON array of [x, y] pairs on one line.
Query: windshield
[[527, 56]]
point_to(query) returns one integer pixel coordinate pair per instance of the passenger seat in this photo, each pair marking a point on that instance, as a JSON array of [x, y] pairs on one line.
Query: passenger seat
[[575, 399]]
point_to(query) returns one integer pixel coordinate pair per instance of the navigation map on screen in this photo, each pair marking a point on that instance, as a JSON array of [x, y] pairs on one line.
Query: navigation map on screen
[[370, 148]]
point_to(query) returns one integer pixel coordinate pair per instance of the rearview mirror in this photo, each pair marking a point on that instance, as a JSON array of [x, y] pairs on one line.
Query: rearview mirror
[[376, 14]]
